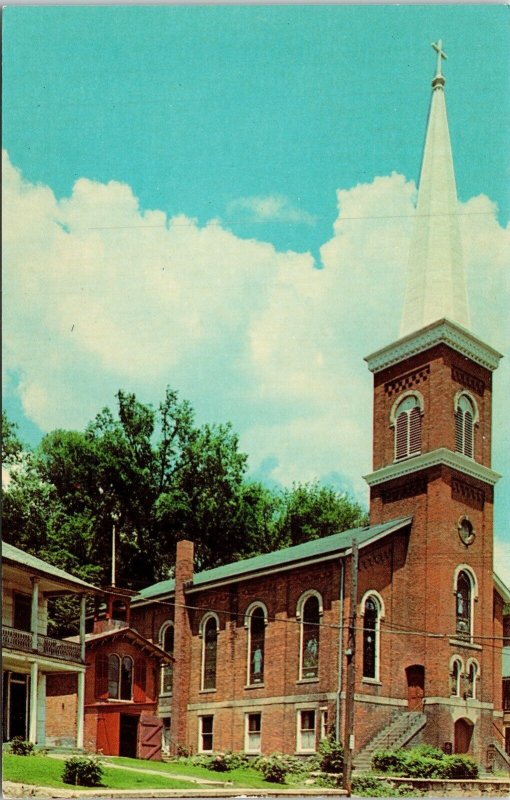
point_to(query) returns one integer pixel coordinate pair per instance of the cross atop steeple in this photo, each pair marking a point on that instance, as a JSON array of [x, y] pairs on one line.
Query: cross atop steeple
[[436, 282], [438, 47]]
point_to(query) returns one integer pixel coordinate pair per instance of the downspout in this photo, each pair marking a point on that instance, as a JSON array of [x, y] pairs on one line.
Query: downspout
[[340, 652]]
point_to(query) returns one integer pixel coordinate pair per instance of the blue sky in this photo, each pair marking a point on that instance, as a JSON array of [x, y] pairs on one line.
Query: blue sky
[[218, 199]]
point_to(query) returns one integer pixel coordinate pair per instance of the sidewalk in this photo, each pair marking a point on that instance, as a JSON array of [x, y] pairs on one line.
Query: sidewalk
[[18, 790]]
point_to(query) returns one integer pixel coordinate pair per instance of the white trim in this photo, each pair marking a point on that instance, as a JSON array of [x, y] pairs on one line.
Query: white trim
[[201, 733], [161, 640], [444, 331], [473, 595], [473, 662], [380, 615], [441, 456], [472, 576], [247, 624], [470, 397], [459, 660], [378, 597], [247, 748], [400, 399], [299, 729], [299, 616], [203, 622]]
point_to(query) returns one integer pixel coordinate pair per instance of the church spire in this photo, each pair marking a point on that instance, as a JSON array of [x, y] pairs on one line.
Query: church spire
[[436, 287]]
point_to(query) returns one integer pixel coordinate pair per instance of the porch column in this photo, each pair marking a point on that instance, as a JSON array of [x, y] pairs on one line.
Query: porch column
[[35, 612], [32, 728], [83, 601], [79, 716]]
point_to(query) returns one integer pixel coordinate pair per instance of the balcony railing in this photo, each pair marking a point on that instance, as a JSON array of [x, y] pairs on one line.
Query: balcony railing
[[14, 639], [506, 694]]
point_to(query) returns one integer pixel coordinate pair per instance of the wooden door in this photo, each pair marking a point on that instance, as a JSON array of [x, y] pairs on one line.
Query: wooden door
[[415, 687], [150, 735], [463, 734]]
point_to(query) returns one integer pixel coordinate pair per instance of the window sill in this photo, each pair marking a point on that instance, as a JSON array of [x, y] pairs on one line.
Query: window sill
[[305, 752], [207, 691], [254, 686], [371, 681], [308, 680], [114, 700], [463, 643], [165, 694]]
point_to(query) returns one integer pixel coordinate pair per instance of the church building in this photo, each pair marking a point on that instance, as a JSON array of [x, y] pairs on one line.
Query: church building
[[261, 645]]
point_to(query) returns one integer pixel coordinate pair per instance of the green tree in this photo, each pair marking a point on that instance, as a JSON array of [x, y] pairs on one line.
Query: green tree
[[312, 511], [12, 448]]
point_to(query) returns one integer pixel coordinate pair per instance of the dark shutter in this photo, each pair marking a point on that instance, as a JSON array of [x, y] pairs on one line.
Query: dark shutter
[[140, 680], [414, 431], [468, 434], [101, 680], [401, 429], [459, 431]]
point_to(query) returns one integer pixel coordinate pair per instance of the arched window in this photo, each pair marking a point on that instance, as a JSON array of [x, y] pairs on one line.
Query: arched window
[[472, 677], [256, 625], [371, 612], [209, 630], [126, 678], [455, 676], [310, 609], [463, 605], [406, 418], [465, 417], [113, 676], [166, 642]]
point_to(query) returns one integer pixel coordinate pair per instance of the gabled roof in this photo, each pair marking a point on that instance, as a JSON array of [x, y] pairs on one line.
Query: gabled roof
[[93, 639], [26, 561], [501, 588], [339, 544]]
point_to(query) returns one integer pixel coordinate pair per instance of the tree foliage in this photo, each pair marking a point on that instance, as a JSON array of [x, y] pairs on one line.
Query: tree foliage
[[157, 476]]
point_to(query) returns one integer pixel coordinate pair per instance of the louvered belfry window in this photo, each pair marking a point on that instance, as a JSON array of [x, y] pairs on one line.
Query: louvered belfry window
[[408, 428], [464, 426]]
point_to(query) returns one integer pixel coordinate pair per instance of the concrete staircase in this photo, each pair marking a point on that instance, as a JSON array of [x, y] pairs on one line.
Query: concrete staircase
[[397, 734]]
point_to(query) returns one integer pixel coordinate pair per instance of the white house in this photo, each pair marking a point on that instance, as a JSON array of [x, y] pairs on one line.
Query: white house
[[29, 655]]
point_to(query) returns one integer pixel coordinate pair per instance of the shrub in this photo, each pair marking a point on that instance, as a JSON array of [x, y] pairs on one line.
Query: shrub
[[82, 771], [273, 768], [328, 781], [389, 761], [457, 766], [331, 756], [183, 751], [224, 762], [427, 750], [416, 766], [20, 747], [200, 760]]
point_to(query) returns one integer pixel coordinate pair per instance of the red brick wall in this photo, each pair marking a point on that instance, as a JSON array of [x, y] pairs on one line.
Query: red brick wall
[[61, 708], [438, 374]]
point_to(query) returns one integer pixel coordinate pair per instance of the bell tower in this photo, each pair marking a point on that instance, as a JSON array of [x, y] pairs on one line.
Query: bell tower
[[432, 460]]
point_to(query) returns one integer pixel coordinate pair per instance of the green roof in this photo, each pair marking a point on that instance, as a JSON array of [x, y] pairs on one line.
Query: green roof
[[309, 551], [30, 562]]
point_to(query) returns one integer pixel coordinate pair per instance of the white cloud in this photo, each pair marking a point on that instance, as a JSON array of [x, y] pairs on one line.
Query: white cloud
[[267, 209], [100, 294]]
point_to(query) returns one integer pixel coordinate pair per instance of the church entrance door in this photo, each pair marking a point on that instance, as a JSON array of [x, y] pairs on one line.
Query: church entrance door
[[462, 735], [415, 687]]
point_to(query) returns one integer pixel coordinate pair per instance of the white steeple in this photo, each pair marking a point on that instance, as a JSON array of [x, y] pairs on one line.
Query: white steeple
[[436, 287]]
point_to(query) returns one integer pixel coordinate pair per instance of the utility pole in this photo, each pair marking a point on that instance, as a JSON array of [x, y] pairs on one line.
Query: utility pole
[[351, 672]]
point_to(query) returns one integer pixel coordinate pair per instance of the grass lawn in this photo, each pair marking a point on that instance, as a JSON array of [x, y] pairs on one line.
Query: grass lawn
[[243, 777], [45, 771]]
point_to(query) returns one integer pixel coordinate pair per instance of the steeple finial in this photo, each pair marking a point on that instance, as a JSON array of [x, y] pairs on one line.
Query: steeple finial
[[438, 47], [436, 286]]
